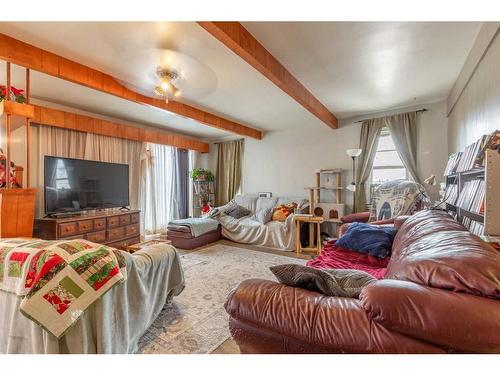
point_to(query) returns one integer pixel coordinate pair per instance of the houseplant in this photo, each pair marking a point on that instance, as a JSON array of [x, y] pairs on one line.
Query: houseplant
[[200, 174], [16, 94]]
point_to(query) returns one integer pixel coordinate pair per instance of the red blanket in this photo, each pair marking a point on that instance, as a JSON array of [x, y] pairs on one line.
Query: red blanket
[[334, 256]]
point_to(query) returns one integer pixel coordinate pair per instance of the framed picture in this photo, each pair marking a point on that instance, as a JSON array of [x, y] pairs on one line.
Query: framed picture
[[265, 194]]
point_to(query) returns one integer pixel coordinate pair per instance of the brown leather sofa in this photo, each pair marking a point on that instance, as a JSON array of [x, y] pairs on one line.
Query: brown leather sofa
[[441, 294]]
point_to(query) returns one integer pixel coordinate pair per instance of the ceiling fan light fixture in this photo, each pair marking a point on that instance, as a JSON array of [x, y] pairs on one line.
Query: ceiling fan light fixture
[[159, 91], [167, 87]]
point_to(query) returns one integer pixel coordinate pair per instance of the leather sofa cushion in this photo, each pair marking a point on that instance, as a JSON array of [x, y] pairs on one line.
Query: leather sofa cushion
[[336, 324], [458, 321], [432, 249]]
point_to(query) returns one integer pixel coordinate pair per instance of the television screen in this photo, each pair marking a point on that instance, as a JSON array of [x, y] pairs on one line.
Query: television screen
[[76, 185]]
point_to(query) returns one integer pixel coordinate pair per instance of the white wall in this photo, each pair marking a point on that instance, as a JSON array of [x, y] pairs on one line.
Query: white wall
[[477, 109], [284, 162]]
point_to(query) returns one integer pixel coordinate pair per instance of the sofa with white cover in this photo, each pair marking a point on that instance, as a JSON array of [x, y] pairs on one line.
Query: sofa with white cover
[[274, 234]]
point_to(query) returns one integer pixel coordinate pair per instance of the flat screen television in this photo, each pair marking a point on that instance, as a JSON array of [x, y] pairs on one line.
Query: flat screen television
[[73, 185]]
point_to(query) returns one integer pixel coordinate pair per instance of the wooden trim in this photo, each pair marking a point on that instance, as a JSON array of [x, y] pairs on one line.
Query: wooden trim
[[18, 109], [27, 151], [20, 53], [234, 36], [7, 75], [8, 131], [28, 86], [73, 121]]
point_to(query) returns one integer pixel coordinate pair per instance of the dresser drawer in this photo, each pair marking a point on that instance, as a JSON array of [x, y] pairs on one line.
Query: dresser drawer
[[131, 230], [67, 229], [113, 221], [135, 218], [100, 224], [85, 226], [122, 245], [125, 220], [116, 233], [98, 237]]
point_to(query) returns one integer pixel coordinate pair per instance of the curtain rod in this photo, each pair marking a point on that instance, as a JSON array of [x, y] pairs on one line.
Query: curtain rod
[[231, 140], [418, 111]]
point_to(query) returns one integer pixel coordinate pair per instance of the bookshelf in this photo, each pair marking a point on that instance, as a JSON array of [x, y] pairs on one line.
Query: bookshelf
[[473, 197]]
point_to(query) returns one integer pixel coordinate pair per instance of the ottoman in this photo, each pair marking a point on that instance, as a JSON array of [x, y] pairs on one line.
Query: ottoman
[[181, 237]]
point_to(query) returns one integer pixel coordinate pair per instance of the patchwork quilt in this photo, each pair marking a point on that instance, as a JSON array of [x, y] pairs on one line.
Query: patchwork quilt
[[58, 279]]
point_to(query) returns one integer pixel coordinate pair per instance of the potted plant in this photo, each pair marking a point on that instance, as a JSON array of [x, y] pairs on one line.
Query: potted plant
[[200, 174], [16, 94]]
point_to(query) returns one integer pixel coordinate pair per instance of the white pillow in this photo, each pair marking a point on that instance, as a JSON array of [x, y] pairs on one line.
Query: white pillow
[[265, 215]]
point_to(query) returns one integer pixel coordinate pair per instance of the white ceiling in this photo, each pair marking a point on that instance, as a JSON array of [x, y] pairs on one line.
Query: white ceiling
[[351, 67], [355, 68]]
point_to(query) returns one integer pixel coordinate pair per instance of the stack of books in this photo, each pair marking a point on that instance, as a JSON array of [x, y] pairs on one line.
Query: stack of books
[[472, 196]]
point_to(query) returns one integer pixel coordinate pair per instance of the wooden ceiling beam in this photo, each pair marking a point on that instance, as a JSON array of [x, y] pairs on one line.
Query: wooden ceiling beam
[[28, 56], [241, 42], [73, 121]]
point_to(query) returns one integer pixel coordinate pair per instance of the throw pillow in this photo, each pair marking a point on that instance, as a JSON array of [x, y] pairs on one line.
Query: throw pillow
[[212, 214], [265, 215], [332, 282], [368, 239], [237, 212], [282, 211]]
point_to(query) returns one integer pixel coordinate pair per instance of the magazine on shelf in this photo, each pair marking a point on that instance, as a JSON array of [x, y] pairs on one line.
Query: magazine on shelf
[[472, 196], [452, 164]]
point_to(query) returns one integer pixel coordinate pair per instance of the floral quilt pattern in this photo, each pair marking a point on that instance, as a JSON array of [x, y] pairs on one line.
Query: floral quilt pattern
[[58, 279]]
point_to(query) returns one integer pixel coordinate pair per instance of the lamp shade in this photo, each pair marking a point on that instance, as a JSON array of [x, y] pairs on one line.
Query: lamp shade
[[351, 187], [353, 152], [431, 180]]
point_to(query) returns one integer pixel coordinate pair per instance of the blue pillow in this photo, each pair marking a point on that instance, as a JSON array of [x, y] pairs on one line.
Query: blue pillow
[[368, 239]]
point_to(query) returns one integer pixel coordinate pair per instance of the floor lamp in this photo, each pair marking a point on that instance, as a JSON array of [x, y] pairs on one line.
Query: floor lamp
[[353, 153]]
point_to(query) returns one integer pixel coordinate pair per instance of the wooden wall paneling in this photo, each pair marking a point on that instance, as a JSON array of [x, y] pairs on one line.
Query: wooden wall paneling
[[67, 120], [234, 36], [23, 54], [17, 212]]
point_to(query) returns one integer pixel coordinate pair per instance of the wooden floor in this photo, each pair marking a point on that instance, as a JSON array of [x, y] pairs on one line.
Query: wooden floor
[[229, 346]]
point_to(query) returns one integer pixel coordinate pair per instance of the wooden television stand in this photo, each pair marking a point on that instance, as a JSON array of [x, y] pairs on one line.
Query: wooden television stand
[[115, 229]]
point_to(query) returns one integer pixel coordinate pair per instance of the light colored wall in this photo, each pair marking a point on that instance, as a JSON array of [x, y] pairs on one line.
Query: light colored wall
[[476, 109], [284, 162]]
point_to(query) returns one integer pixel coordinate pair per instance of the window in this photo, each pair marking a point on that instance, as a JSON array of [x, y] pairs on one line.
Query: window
[[159, 196], [387, 164]]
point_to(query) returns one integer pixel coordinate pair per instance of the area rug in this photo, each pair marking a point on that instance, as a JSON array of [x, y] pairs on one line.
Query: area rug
[[196, 322]]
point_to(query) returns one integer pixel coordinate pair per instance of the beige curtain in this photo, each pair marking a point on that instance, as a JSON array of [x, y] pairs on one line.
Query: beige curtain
[[46, 140], [403, 128], [229, 171], [370, 132]]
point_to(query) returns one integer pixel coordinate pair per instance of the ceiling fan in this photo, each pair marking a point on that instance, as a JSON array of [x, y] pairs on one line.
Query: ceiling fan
[[167, 87]]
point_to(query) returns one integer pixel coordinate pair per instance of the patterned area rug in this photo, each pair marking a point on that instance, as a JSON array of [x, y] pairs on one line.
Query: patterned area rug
[[196, 321]]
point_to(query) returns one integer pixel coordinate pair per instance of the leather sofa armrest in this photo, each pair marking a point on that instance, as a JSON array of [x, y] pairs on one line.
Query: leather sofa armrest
[[360, 217], [458, 321]]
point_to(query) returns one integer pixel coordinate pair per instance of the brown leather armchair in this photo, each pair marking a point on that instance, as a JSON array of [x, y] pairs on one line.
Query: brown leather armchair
[[441, 294]]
